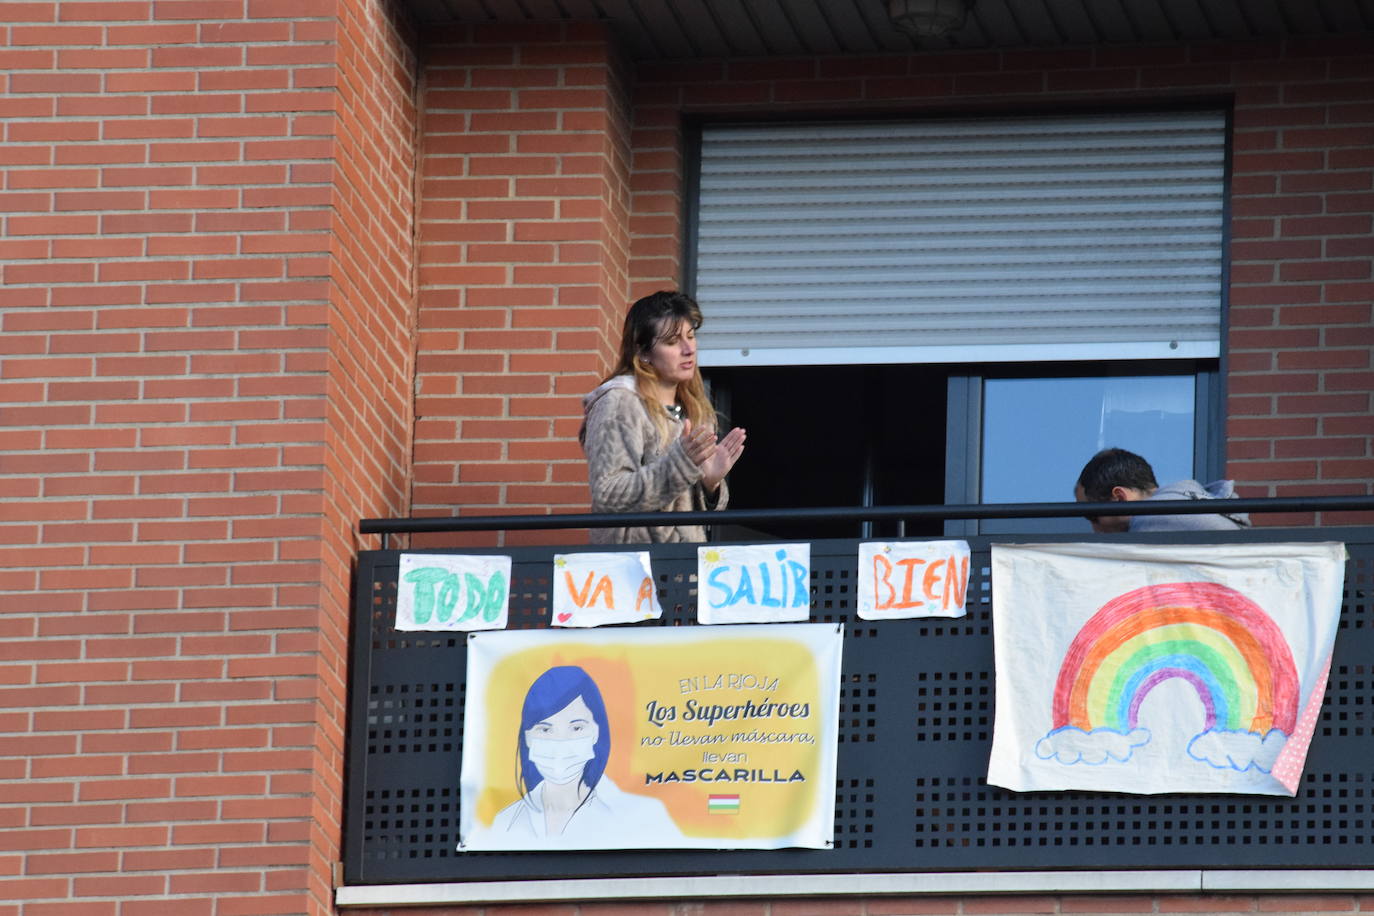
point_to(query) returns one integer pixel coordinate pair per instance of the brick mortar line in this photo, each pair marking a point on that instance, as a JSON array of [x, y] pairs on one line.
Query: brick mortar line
[[174, 258], [145, 331], [153, 68], [200, 212], [169, 495]]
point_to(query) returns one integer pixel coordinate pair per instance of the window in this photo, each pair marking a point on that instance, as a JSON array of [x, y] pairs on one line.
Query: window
[[836, 436], [1063, 419], [961, 310], [1025, 437], [932, 435]]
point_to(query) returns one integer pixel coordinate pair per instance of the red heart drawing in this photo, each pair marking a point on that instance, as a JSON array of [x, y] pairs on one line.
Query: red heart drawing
[[564, 618]]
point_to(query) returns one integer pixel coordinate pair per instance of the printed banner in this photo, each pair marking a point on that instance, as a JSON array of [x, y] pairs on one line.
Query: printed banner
[[1160, 668], [591, 589], [651, 738], [900, 579], [753, 583], [440, 591]]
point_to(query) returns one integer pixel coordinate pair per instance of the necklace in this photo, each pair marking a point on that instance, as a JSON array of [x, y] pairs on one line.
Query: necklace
[[674, 411]]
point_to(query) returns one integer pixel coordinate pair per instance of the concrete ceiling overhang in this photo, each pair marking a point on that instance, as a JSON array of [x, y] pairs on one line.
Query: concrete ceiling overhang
[[684, 29]]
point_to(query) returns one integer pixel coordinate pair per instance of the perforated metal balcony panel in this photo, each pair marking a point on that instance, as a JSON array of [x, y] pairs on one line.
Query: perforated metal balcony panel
[[916, 716]]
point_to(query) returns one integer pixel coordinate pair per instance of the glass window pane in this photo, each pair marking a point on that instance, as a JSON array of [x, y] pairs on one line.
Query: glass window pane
[[1039, 432]]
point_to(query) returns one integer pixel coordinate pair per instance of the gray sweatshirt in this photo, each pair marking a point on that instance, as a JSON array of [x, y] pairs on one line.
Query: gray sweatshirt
[[631, 470], [1191, 489]]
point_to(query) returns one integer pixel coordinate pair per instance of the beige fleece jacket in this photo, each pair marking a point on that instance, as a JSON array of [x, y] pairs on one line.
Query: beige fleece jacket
[[630, 469]]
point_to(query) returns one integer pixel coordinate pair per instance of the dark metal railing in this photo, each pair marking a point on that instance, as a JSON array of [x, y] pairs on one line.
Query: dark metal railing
[[385, 526]]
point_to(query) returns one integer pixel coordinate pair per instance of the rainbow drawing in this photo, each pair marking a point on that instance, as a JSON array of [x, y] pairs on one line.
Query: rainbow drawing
[[1211, 636]]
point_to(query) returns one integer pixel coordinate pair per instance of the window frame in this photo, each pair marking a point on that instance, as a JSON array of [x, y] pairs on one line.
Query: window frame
[[964, 425]]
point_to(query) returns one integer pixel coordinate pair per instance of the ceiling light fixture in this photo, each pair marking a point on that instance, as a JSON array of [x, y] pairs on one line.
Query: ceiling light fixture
[[928, 18]]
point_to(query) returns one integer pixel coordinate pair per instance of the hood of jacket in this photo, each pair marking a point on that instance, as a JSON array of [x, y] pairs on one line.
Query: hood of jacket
[[1191, 489], [616, 381], [1217, 489]]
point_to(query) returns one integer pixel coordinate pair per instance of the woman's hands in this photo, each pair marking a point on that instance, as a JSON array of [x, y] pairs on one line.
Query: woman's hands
[[714, 458]]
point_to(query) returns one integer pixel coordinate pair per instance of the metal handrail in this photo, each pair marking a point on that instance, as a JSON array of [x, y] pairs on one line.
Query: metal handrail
[[862, 513]]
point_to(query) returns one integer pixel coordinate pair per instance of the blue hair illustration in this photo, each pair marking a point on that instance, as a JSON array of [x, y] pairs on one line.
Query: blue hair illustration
[[551, 692]]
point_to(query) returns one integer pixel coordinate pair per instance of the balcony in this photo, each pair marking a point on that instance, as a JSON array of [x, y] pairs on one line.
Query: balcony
[[912, 808]]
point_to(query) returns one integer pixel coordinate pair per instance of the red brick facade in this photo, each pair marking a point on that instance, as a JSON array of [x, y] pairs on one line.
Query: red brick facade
[[269, 268], [523, 262], [206, 380]]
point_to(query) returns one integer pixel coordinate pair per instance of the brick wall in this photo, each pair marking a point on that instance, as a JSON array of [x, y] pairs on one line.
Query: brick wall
[[524, 253], [1298, 366], [204, 381], [1302, 332], [370, 365]]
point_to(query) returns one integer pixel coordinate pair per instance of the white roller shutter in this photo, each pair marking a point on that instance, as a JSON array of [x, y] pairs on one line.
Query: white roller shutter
[[1032, 238]]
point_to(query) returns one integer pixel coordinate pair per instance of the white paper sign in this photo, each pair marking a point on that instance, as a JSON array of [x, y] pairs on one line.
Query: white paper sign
[[591, 589], [441, 591], [1150, 668], [754, 583], [912, 579]]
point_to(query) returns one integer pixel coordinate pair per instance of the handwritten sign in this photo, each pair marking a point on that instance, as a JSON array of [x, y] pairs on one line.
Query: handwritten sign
[[436, 591], [591, 589], [912, 579], [1161, 668], [754, 583], [650, 738]]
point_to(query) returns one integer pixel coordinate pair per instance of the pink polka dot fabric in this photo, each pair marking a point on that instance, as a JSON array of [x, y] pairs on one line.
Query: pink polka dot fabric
[[1288, 766]]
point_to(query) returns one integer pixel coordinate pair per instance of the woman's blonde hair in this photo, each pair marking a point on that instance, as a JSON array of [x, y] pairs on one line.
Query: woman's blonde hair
[[649, 320]]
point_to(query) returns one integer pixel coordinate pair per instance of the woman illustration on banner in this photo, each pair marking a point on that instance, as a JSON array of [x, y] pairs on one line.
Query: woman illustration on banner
[[650, 431], [566, 798]]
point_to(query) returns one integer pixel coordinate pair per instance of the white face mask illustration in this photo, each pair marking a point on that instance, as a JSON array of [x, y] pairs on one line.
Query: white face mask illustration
[[561, 760], [561, 745]]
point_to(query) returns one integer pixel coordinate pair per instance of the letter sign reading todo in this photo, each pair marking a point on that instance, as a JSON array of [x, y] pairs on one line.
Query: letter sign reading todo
[[452, 592]]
